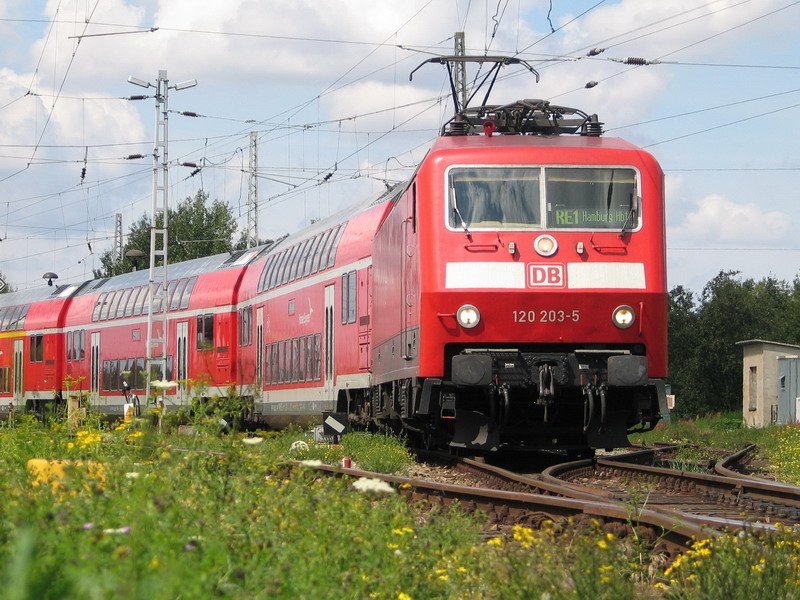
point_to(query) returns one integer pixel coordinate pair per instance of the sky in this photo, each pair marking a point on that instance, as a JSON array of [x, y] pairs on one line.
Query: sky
[[325, 86]]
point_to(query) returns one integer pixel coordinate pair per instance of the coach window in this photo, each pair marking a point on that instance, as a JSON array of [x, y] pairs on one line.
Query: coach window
[[37, 348], [5, 380], [112, 314], [321, 251], [334, 245], [283, 275], [80, 344], [128, 311], [287, 265], [298, 256], [187, 292], [349, 297], [292, 271], [97, 307], [105, 306], [205, 332], [69, 345], [13, 317], [170, 292], [245, 326], [177, 292], [126, 294], [141, 300], [3, 313], [309, 258], [591, 198], [281, 361], [139, 371], [294, 364]]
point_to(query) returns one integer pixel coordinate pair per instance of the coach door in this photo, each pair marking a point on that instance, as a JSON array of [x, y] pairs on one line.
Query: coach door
[[259, 350], [94, 365], [182, 357], [329, 321], [18, 388]]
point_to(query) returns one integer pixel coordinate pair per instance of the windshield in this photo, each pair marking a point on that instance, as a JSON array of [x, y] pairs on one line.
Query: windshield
[[590, 198], [536, 197], [494, 197]]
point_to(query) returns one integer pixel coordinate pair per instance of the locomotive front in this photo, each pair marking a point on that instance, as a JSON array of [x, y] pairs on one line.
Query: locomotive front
[[542, 291]]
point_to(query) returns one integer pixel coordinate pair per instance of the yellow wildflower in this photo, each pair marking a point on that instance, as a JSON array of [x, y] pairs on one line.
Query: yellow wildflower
[[496, 541], [602, 544], [403, 596]]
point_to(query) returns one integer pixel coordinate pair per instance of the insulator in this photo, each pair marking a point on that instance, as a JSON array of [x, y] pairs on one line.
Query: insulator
[[134, 156], [138, 97], [635, 60], [188, 113], [592, 127], [327, 177], [83, 173], [595, 51], [195, 172], [590, 84], [189, 164]]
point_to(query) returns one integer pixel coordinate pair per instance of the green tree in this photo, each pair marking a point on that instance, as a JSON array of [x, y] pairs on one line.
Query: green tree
[[683, 341], [706, 362], [195, 229]]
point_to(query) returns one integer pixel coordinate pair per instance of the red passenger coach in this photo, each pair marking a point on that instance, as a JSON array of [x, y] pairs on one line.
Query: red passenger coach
[[309, 298], [31, 342]]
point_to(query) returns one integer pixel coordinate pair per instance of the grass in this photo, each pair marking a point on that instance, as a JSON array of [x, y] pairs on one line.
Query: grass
[[220, 516]]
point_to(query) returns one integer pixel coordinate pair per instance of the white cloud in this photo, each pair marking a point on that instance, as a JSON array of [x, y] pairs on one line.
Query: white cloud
[[720, 220]]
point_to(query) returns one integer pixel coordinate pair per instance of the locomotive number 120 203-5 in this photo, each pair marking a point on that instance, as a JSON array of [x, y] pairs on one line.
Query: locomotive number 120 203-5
[[547, 316]]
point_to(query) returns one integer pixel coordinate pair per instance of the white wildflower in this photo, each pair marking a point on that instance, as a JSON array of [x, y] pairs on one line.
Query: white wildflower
[[311, 463], [368, 484], [252, 441], [298, 446], [132, 475]]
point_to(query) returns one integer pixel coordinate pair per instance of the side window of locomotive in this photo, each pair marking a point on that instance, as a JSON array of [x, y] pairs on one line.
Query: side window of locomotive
[[593, 198], [492, 197], [205, 332]]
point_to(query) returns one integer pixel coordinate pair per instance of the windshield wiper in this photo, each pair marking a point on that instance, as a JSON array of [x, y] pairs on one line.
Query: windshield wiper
[[630, 219], [458, 212]]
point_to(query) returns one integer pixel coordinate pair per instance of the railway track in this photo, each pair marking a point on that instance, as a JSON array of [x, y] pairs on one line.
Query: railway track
[[513, 499], [672, 508], [735, 501]]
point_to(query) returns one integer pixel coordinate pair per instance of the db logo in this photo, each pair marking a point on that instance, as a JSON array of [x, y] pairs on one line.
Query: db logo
[[546, 276]]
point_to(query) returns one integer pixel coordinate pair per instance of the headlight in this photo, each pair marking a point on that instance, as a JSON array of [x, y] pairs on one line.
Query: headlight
[[468, 316], [545, 245], [623, 316]]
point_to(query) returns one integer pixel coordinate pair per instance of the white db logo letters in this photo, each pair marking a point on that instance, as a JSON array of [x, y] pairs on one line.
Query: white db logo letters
[[548, 275]]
